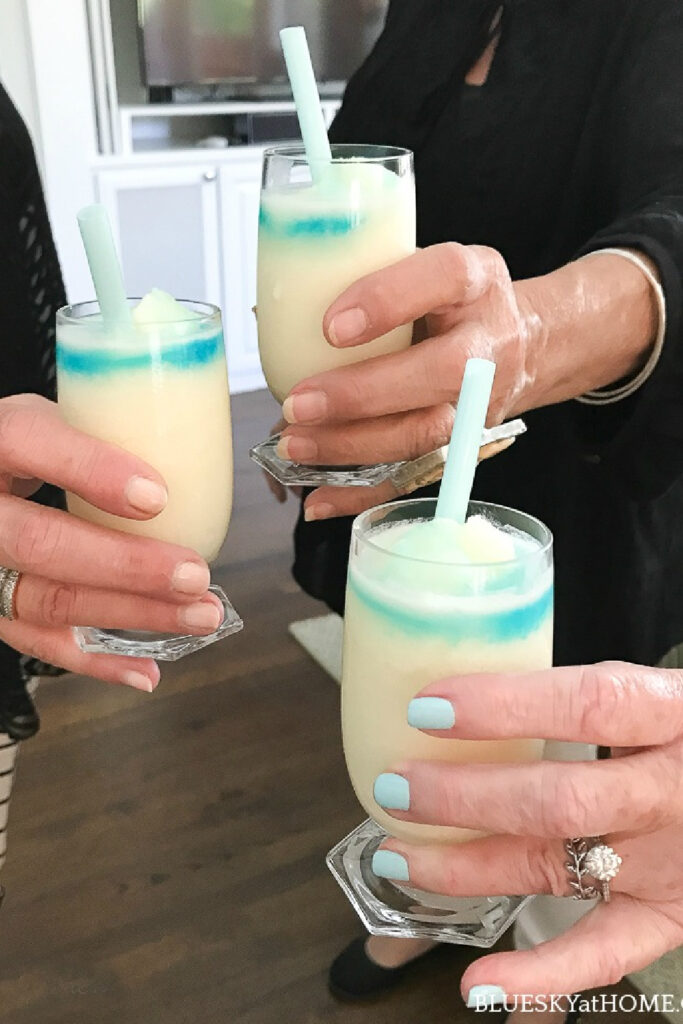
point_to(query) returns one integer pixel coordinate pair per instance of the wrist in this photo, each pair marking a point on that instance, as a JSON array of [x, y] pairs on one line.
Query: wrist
[[649, 357], [589, 324], [533, 345]]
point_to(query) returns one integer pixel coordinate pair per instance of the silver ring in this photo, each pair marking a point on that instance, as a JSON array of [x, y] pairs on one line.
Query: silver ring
[[591, 858], [9, 578]]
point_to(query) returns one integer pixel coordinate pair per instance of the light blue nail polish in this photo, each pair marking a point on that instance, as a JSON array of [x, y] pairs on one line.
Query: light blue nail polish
[[389, 864], [431, 713], [485, 997], [392, 792]]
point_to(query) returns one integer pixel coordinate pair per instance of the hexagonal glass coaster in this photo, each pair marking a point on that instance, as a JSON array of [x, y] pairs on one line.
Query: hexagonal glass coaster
[[398, 909], [160, 646], [406, 476]]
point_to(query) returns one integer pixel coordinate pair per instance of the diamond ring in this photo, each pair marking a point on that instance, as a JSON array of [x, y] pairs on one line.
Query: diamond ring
[[591, 858]]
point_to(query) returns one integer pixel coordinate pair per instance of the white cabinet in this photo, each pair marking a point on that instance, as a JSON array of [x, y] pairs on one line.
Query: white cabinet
[[165, 223], [191, 229], [239, 203]]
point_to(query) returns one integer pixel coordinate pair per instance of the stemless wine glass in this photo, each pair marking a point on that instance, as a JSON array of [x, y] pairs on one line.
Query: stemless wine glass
[[159, 390], [409, 622], [318, 233]]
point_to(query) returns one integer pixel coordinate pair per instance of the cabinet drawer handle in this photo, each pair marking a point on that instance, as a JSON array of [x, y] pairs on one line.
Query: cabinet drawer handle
[[209, 175]]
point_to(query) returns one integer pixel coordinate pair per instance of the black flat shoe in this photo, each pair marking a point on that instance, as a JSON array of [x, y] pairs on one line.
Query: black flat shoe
[[18, 715], [354, 976]]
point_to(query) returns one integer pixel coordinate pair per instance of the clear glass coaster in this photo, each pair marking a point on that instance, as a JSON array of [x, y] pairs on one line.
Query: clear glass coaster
[[406, 476], [160, 646], [398, 909]]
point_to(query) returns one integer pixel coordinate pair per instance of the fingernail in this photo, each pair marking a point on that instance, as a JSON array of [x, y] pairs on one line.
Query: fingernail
[[347, 326], [431, 713], [485, 997], [307, 407], [319, 511], [389, 864], [191, 578], [146, 495], [201, 616], [392, 792], [297, 449], [138, 681]]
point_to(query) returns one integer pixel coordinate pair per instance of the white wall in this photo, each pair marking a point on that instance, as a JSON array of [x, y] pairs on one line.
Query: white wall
[[16, 65], [45, 67], [60, 47]]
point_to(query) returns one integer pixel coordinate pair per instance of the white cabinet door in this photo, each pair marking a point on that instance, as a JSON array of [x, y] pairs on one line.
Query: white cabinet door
[[165, 223], [239, 202]]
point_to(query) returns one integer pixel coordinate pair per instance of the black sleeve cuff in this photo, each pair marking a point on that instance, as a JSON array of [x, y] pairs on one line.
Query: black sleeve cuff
[[640, 439]]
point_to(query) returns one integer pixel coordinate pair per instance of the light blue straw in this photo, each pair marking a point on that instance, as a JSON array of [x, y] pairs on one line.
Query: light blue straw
[[307, 100], [104, 264], [463, 451]]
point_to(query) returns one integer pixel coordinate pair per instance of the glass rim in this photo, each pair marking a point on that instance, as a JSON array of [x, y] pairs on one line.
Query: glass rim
[[291, 151], [359, 525], [71, 312]]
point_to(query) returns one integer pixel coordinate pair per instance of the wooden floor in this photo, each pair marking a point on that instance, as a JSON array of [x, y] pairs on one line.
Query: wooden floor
[[166, 853]]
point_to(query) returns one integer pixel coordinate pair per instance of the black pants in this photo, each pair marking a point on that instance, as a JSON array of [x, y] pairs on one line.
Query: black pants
[[10, 668]]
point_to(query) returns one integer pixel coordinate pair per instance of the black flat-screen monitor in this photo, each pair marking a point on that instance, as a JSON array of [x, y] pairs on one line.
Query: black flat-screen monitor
[[236, 42]]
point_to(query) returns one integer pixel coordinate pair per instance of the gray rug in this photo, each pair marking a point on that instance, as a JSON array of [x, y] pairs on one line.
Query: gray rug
[[321, 637]]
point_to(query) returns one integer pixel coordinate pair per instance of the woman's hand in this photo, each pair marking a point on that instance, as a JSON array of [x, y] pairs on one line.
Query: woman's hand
[[553, 337], [400, 406], [76, 573], [635, 802]]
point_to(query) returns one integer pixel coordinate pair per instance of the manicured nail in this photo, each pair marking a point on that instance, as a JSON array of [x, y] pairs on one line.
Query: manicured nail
[[201, 616], [485, 997], [306, 407], [347, 326], [191, 578], [297, 449], [320, 511], [392, 792], [146, 495], [138, 681], [431, 713], [389, 864]]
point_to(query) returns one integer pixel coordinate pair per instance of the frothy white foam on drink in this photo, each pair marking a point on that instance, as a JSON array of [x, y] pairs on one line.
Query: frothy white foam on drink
[[346, 186], [479, 541], [158, 307], [157, 320], [441, 564]]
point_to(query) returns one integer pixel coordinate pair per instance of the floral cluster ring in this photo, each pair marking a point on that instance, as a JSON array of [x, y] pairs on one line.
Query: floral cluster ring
[[591, 859]]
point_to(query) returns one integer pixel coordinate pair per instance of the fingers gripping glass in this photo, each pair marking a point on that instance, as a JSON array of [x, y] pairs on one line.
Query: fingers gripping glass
[[159, 390], [407, 623], [318, 233]]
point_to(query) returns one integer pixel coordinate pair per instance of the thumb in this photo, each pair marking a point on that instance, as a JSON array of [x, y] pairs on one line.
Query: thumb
[[600, 949]]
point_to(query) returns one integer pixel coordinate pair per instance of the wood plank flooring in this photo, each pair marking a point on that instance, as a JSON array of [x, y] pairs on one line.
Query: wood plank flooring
[[166, 853]]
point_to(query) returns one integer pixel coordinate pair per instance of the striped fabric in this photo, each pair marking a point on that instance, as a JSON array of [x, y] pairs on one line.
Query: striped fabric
[[9, 750]]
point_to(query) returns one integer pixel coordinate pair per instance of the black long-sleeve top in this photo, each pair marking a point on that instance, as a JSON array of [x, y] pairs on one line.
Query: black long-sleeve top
[[573, 144], [31, 288], [31, 292]]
